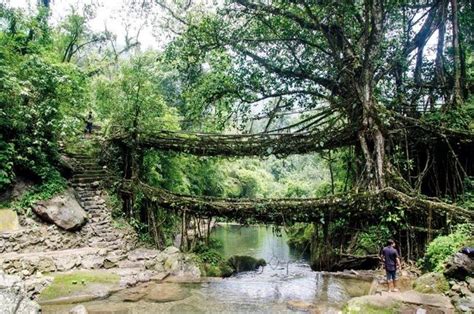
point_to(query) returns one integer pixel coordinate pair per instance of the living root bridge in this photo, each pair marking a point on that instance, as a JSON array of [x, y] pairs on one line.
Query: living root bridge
[[238, 145], [285, 210]]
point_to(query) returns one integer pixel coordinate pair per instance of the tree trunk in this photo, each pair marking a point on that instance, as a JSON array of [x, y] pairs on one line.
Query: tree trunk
[[457, 93], [371, 138]]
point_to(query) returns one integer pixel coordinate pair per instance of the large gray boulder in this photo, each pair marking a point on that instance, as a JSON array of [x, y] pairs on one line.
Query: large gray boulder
[[63, 210], [13, 298], [459, 266]]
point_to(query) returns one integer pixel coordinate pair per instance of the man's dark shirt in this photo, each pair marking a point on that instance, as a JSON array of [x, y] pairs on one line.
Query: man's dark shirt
[[390, 255]]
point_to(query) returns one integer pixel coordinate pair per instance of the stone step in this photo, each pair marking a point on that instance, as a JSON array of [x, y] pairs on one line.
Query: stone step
[[90, 198], [80, 155], [89, 166], [98, 172], [84, 186], [93, 208], [87, 177]]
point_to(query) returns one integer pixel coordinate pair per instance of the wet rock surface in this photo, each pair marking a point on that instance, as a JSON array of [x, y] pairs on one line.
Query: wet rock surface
[[462, 295], [401, 302], [13, 297], [166, 292]]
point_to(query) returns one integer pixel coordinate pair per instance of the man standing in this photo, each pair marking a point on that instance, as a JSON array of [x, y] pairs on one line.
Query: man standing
[[391, 260], [89, 121]]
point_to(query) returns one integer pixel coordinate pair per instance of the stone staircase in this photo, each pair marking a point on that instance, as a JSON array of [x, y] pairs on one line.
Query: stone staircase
[[40, 248], [99, 239], [88, 182]]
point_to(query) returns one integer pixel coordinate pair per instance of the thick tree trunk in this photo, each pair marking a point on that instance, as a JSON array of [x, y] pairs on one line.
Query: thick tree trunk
[[371, 138]]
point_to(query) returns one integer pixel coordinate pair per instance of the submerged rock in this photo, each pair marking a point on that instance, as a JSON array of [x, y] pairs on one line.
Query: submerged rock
[[64, 211], [185, 308], [297, 305], [167, 292], [242, 263], [107, 308]]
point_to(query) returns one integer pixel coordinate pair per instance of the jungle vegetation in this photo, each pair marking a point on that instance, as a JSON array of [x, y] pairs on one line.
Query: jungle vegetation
[[350, 121]]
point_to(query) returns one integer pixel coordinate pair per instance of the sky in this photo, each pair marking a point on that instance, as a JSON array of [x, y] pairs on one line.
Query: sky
[[113, 14]]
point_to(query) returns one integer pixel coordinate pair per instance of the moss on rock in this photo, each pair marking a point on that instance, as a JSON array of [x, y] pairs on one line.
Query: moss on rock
[[245, 263], [74, 283], [431, 283]]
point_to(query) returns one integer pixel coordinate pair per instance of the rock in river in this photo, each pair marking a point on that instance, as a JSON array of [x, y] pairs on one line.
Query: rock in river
[[245, 263], [62, 210]]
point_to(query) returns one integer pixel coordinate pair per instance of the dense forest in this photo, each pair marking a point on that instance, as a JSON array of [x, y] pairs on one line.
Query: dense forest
[[344, 123]]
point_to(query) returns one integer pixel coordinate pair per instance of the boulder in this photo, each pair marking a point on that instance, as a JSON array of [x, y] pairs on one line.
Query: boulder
[[431, 283], [132, 294], [245, 263], [400, 302], [298, 305], [142, 254], [180, 265], [8, 220], [67, 262], [459, 266], [79, 309], [63, 210], [92, 262], [13, 298], [170, 250]]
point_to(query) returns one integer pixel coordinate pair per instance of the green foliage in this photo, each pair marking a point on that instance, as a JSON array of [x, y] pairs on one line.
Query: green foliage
[[300, 235], [371, 240], [7, 174], [442, 247], [431, 283], [34, 89], [55, 184], [457, 118], [212, 263]]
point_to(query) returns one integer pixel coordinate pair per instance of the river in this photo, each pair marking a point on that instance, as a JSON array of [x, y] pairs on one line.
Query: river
[[286, 278]]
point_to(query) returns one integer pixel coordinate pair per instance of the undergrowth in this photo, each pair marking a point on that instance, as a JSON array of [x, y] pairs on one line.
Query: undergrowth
[[54, 185], [442, 247]]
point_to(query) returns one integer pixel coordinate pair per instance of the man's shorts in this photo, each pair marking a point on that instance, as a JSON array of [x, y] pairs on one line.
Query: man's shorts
[[391, 275]]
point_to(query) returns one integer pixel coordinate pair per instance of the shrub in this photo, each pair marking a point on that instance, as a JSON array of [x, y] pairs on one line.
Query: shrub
[[441, 248]]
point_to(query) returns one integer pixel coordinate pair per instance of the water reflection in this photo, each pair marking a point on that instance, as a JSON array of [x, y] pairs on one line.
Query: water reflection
[[265, 291], [257, 241]]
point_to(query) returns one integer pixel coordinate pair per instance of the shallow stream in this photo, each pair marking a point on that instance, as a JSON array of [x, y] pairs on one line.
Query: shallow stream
[[287, 278]]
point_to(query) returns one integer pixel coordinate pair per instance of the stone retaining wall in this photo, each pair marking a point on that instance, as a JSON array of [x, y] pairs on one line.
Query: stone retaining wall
[[39, 238]]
